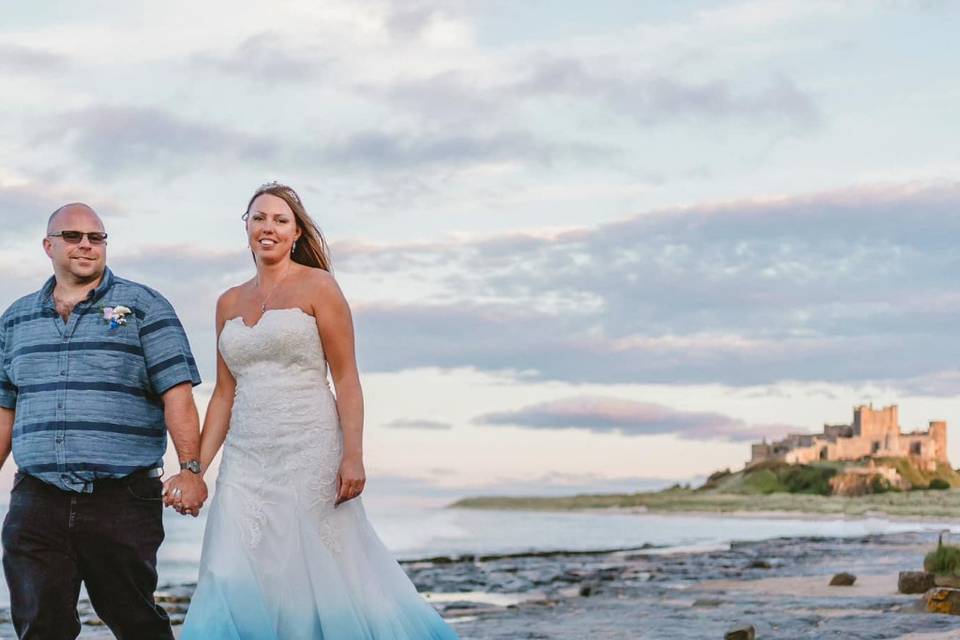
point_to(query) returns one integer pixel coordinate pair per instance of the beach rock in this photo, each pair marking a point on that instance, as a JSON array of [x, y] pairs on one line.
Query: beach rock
[[915, 581], [746, 632], [843, 580], [707, 602], [760, 564], [952, 582], [942, 600]]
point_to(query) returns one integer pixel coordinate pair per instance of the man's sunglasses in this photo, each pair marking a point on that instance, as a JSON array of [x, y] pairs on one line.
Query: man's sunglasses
[[76, 237]]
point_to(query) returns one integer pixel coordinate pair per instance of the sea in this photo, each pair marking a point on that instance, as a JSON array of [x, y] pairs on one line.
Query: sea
[[416, 532]]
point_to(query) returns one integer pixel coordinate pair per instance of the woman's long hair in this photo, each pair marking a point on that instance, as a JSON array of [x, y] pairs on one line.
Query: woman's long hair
[[311, 249]]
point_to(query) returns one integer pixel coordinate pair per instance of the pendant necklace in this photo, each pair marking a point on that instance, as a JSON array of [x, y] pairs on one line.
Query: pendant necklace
[[263, 305]]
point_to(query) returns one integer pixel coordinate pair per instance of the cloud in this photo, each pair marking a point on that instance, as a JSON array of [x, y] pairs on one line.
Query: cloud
[[410, 20], [121, 139], [395, 150], [631, 418], [653, 99], [20, 59], [267, 57], [646, 98], [430, 425], [24, 208], [847, 286], [124, 139]]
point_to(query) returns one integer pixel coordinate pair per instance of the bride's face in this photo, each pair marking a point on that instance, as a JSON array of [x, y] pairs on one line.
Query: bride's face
[[271, 228]]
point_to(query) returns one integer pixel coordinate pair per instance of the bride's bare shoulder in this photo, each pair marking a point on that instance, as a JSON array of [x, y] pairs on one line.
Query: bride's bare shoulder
[[228, 300], [319, 281], [321, 289]]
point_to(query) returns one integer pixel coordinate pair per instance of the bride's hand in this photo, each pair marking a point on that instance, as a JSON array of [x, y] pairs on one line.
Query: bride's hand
[[350, 479]]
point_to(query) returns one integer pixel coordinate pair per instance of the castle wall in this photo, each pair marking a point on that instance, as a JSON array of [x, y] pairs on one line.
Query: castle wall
[[874, 433]]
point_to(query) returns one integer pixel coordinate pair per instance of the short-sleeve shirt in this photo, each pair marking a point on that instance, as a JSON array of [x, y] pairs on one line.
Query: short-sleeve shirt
[[88, 392]]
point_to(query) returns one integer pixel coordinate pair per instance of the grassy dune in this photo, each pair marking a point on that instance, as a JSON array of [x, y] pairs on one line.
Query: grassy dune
[[768, 487], [940, 504]]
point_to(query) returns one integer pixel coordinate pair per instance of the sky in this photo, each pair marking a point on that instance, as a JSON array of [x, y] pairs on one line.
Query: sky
[[588, 246]]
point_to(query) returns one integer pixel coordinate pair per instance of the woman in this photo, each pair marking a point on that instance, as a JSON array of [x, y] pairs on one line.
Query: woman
[[288, 551]]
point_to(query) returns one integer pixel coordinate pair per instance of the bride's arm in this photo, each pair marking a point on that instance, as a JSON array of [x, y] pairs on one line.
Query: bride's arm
[[217, 419], [335, 324]]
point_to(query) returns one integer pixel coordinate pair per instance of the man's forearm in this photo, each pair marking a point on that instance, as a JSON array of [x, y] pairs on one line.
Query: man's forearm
[[7, 417], [183, 421]]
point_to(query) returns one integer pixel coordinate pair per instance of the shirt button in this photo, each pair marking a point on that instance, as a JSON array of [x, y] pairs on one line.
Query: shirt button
[[59, 405], [59, 439], [63, 372]]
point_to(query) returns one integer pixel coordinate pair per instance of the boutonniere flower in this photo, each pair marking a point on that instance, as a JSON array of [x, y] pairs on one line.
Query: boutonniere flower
[[116, 316]]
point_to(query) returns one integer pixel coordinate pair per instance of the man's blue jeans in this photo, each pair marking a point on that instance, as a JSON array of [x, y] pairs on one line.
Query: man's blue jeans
[[108, 539]]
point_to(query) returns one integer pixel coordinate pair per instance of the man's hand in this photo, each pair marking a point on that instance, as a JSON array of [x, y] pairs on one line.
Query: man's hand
[[350, 479], [186, 492]]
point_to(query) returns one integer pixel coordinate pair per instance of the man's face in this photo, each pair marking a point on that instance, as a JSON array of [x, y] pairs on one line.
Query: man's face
[[83, 260]]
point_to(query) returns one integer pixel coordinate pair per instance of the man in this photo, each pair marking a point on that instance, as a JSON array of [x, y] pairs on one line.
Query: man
[[94, 370]]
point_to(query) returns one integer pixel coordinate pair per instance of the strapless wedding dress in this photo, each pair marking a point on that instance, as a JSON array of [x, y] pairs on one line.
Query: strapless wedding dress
[[279, 562]]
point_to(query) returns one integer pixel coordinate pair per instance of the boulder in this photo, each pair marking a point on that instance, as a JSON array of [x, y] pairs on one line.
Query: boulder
[[915, 581], [843, 580], [746, 632], [942, 600]]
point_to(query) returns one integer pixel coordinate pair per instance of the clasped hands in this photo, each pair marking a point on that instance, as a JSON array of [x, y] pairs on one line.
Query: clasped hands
[[185, 492]]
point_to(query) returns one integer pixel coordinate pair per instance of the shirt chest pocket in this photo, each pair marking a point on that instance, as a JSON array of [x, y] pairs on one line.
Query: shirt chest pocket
[[33, 366], [107, 360]]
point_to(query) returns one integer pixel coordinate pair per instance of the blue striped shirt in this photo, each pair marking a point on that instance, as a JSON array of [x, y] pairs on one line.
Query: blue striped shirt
[[87, 394]]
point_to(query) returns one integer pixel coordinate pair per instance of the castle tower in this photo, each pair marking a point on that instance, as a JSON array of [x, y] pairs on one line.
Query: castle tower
[[938, 434]]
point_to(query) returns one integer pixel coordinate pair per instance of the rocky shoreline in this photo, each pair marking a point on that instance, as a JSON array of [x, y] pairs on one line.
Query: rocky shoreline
[[780, 586]]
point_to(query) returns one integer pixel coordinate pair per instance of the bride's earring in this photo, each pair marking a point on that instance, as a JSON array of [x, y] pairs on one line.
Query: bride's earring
[[294, 248]]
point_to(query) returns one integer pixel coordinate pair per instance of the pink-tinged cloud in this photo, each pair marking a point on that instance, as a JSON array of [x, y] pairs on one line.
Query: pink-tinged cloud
[[632, 418]]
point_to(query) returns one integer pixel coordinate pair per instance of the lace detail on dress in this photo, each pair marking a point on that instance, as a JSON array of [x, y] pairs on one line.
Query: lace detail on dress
[[317, 467], [283, 448], [254, 517]]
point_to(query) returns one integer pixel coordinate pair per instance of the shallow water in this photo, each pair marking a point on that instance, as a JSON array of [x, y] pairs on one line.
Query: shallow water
[[413, 533]]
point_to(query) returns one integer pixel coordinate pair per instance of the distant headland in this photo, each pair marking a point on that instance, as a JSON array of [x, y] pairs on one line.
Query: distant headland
[[867, 467]]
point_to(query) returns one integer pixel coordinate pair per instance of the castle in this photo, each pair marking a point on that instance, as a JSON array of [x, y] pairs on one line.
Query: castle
[[874, 433]]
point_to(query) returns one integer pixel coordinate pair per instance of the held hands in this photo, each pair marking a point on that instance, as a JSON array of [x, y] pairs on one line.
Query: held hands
[[350, 479], [186, 492]]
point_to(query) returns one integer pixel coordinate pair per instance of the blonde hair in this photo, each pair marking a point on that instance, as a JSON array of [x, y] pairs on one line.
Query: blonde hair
[[310, 249]]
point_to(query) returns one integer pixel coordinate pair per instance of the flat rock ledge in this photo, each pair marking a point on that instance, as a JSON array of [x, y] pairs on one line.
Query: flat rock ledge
[[942, 600]]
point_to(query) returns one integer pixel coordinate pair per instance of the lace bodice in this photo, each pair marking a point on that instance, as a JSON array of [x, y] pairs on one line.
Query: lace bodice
[[284, 338], [284, 441]]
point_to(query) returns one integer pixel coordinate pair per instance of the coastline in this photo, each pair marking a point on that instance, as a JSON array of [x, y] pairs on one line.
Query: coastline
[[894, 505]]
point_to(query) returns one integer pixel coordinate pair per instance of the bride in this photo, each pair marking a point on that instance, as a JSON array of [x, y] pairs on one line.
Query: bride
[[288, 551]]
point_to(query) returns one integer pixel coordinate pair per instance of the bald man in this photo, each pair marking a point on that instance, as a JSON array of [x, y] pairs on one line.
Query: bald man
[[95, 370]]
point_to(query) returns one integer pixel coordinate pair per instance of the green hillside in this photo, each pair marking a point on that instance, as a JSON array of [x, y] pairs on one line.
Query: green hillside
[[772, 486], [780, 477]]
